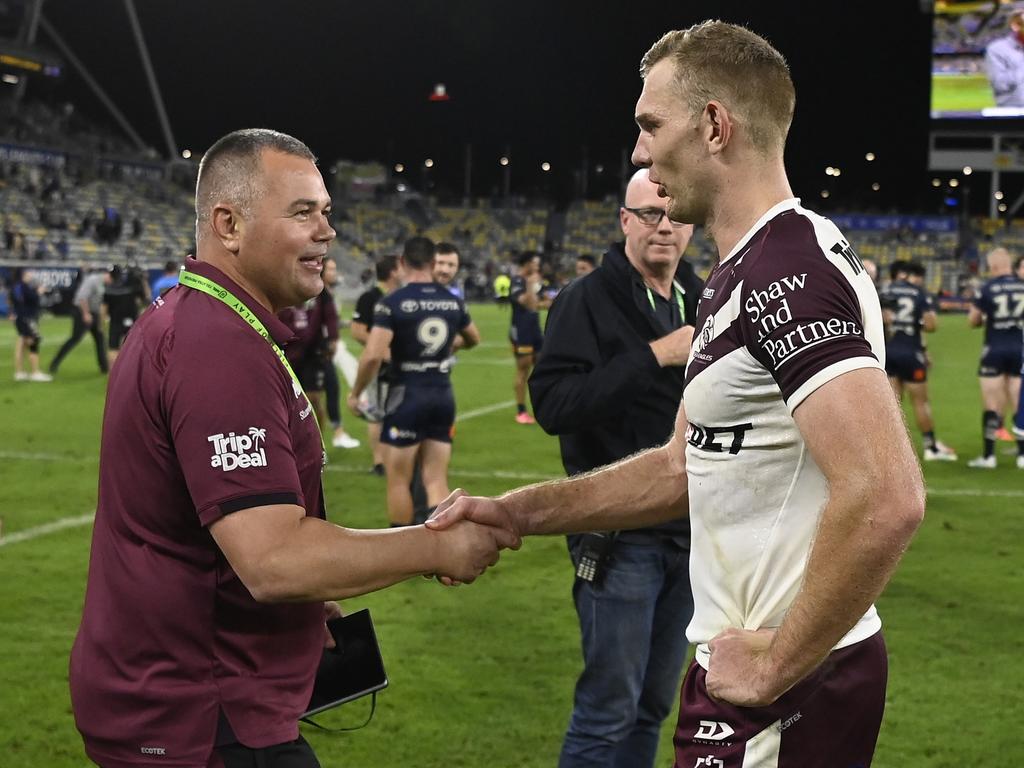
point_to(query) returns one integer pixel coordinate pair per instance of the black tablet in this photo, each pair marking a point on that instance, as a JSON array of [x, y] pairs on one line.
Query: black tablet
[[352, 669]]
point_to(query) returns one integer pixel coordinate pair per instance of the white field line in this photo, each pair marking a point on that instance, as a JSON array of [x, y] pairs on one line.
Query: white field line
[[42, 530], [73, 522], [484, 410]]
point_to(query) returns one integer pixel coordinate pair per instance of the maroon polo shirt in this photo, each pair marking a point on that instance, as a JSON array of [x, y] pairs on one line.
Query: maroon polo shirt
[[201, 421]]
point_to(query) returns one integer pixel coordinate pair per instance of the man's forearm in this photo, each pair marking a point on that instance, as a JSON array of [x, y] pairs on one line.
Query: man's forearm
[[861, 538], [644, 489]]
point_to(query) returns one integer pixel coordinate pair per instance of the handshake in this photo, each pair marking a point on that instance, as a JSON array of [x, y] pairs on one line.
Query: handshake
[[471, 531]]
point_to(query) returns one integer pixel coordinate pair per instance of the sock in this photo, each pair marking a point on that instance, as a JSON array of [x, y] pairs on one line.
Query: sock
[[929, 440], [990, 423], [1020, 447], [520, 408]]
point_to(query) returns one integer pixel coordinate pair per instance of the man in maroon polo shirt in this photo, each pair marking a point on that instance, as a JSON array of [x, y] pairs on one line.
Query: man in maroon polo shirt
[[211, 556]]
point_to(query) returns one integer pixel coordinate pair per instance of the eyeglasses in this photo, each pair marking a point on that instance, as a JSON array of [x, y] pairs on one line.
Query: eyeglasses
[[651, 217]]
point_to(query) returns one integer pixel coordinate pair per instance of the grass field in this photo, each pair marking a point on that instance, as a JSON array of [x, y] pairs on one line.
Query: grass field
[[483, 675], [961, 93]]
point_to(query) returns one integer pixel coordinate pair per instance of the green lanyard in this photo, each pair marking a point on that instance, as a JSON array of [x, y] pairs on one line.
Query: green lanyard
[[207, 286], [680, 301]]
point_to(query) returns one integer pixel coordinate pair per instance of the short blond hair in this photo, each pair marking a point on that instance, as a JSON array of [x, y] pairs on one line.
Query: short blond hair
[[729, 63]]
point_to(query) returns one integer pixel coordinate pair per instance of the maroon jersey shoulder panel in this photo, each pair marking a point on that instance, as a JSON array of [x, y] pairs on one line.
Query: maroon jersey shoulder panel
[[799, 313]]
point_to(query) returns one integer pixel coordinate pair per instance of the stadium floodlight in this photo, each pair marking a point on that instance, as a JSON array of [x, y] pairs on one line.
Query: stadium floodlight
[[503, 161], [11, 79], [870, 157], [876, 186], [998, 195], [836, 171], [954, 183], [399, 168], [428, 163], [1002, 207], [545, 166], [401, 187], [599, 169], [186, 153], [824, 193], [968, 170], [829, 171]]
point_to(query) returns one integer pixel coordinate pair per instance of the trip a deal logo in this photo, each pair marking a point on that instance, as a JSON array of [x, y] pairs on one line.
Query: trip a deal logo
[[232, 451]]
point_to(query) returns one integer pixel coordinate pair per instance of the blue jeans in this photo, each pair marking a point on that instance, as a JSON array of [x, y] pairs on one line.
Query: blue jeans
[[633, 630]]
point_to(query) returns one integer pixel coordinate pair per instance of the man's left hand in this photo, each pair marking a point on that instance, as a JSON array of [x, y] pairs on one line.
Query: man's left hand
[[331, 611], [740, 670]]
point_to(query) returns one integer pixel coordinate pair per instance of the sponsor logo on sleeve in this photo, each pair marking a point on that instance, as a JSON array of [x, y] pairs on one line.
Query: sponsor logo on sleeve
[[232, 451], [769, 311]]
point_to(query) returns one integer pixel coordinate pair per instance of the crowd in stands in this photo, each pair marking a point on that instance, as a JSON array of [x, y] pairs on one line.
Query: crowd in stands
[[80, 210]]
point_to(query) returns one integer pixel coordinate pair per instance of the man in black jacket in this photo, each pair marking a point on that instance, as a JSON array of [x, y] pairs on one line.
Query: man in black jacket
[[608, 383]]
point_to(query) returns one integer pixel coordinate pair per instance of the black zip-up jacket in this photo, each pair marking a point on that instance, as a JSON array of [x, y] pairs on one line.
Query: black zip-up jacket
[[597, 384]]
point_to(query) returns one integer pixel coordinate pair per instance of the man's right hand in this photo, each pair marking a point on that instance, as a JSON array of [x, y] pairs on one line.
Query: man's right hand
[[673, 348], [468, 549], [479, 509]]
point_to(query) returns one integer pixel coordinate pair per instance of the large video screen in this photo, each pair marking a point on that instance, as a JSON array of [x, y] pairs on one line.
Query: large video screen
[[978, 59]]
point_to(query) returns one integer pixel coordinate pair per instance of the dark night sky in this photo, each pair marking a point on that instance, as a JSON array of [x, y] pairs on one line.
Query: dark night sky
[[546, 78]]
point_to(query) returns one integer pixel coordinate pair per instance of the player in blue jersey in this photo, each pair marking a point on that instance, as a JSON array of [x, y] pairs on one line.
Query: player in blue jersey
[[525, 333], [419, 324], [908, 311], [1018, 418], [25, 313], [1000, 308]]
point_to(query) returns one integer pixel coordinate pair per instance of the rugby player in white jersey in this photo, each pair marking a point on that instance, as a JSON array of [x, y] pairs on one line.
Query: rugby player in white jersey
[[805, 488]]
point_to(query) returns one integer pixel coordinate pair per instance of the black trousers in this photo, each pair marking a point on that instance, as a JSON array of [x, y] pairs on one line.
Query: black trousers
[[78, 330], [332, 392], [291, 754]]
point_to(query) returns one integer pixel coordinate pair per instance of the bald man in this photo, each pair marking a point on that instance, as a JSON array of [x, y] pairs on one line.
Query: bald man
[[609, 384], [1000, 308]]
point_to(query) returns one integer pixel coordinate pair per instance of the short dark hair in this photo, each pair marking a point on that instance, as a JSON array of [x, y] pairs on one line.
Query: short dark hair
[[1020, 259], [916, 268], [385, 266], [230, 168], [445, 247], [171, 266], [526, 257], [587, 258], [418, 252], [897, 267]]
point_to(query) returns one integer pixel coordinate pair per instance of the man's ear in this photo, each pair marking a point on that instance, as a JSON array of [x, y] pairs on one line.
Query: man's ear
[[717, 126], [227, 225]]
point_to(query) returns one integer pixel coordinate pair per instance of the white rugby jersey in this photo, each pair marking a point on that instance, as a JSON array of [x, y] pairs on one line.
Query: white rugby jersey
[[789, 309]]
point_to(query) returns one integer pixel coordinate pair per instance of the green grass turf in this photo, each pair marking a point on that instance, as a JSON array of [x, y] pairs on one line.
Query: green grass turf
[[959, 93], [483, 674]]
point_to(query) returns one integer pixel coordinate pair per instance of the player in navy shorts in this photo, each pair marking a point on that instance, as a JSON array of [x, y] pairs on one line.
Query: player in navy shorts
[[419, 323], [1018, 418], [1000, 308], [908, 310], [525, 333]]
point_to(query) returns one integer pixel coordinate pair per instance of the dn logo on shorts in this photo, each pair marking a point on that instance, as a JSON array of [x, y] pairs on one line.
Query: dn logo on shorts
[[713, 731], [233, 451], [710, 762]]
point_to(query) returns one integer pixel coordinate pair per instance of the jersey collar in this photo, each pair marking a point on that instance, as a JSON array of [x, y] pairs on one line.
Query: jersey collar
[[789, 204]]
